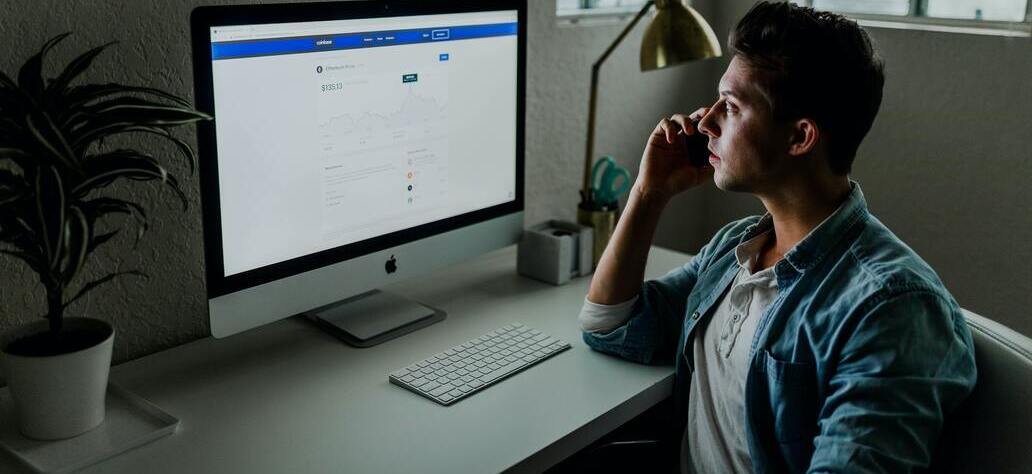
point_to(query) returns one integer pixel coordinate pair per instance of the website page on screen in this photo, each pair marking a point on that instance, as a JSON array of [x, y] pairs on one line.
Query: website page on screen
[[334, 132]]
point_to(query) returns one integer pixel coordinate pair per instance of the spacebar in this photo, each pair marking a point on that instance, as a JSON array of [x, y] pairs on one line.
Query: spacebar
[[501, 371]]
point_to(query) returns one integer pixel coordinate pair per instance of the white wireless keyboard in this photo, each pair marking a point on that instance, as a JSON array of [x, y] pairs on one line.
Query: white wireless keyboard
[[456, 373]]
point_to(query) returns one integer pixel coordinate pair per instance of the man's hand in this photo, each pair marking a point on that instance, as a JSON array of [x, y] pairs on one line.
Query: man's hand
[[665, 170]]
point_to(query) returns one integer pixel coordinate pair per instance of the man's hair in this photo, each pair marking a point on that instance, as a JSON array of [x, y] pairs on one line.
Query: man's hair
[[817, 65]]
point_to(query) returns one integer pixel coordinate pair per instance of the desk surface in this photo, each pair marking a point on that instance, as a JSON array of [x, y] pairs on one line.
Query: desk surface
[[288, 397]]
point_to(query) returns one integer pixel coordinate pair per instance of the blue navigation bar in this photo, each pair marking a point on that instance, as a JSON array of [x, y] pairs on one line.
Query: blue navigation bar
[[371, 39]]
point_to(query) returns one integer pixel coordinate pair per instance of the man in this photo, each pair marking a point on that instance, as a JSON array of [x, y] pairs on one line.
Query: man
[[810, 339]]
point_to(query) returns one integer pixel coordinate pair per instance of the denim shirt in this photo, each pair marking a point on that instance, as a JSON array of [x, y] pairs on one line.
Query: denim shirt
[[854, 365]]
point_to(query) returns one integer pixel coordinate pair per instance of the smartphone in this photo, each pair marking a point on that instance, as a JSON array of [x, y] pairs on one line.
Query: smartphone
[[698, 146]]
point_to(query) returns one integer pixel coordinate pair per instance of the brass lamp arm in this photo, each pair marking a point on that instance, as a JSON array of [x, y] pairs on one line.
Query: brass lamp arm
[[590, 148]]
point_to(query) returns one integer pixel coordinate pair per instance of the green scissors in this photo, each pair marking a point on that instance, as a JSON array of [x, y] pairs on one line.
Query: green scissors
[[606, 192]]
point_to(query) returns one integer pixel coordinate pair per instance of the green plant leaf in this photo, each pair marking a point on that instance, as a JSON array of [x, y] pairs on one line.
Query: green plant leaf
[[14, 153], [81, 118], [16, 232], [74, 68], [51, 139], [7, 83], [9, 127], [12, 187], [152, 114], [11, 97], [118, 119], [30, 76], [50, 208], [184, 148], [78, 102], [102, 169], [26, 257], [100, 281], [87, 93], [98, 208], [78, 232], [100, 239]]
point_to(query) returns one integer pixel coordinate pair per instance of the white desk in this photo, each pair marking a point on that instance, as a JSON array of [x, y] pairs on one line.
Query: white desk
[[288, 397]]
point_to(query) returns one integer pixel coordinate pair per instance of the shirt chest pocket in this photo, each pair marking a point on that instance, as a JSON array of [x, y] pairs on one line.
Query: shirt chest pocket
[[793, 396]]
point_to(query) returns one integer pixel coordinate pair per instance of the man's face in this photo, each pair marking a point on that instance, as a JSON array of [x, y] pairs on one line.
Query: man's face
[[750, 149]]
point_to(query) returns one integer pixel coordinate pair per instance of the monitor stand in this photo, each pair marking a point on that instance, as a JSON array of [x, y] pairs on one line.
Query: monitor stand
[[371, 318]]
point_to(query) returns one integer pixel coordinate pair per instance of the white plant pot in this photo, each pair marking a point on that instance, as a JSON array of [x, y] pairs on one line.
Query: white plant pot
[[60, 396]]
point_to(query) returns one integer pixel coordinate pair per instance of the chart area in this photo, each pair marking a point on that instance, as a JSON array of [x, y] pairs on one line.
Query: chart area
[[384, 145]]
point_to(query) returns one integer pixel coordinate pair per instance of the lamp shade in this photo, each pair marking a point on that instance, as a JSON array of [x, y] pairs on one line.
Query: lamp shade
[[677, 34]]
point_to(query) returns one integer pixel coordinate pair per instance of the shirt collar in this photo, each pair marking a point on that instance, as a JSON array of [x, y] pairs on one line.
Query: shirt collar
[[813, 248], [747, 253]]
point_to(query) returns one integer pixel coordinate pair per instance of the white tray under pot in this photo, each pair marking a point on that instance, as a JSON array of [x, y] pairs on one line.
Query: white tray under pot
[[130, 421]]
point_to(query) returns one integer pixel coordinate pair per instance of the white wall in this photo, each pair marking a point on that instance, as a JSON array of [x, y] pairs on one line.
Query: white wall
[[170, 308], [947, 163]]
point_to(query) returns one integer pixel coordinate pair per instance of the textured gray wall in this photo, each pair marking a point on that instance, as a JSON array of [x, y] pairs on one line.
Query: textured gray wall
[[947, 163], [169, 308]]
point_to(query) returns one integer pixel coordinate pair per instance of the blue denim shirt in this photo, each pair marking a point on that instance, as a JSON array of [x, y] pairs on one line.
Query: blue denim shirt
[[854, 365]]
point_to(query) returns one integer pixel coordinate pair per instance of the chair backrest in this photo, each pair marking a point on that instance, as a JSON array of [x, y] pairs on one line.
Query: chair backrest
[[992, 430]]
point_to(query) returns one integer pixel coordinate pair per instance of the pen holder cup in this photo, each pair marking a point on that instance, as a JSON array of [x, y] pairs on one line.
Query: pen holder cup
[[602, 223], [555, 251]]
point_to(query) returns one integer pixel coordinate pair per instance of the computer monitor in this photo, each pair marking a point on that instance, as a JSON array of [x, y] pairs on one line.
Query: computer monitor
[[354, 144]]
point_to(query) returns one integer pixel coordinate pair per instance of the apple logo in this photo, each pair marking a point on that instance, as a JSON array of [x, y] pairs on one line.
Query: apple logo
[[392, 265]]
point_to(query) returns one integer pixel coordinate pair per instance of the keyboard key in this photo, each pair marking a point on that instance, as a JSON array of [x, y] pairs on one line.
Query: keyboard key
[[547, 341], [494, 374]]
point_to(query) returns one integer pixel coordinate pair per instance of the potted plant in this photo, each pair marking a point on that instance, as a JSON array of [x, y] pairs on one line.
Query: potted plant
[[54, 169]]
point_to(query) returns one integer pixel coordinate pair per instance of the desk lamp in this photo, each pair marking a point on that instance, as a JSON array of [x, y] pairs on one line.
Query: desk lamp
[[676, 35]]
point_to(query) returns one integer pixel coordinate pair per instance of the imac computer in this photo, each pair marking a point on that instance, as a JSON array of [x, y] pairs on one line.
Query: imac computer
[[354, 144]]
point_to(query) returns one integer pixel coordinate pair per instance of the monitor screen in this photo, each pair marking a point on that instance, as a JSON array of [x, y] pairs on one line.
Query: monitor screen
[[355, 144], [333, 132]]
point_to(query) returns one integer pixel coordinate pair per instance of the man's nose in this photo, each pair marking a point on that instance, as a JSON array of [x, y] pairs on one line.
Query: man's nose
[[708, 124]]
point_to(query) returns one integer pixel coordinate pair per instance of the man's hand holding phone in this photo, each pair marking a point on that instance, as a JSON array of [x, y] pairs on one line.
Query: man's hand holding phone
[[666, 170], [666, 165]]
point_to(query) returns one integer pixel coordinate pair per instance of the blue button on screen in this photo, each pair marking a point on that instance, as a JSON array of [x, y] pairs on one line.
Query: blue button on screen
[[444, 57]]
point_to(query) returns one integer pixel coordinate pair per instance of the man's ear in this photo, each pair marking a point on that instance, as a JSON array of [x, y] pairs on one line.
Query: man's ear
[[803, 137]]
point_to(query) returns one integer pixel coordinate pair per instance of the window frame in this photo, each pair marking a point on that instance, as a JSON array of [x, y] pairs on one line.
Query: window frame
[[917, 18], [592, 15]]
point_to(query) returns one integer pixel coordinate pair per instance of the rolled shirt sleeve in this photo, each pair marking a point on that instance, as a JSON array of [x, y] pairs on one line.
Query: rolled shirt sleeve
[[651, 328], [602, 318]]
